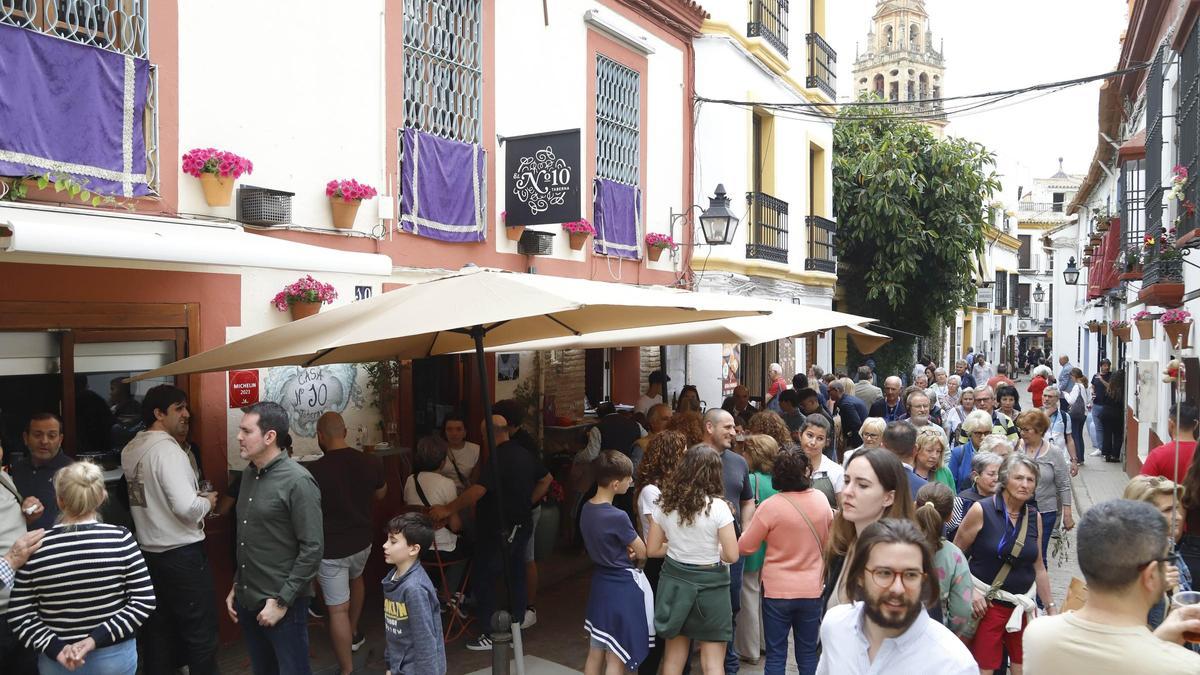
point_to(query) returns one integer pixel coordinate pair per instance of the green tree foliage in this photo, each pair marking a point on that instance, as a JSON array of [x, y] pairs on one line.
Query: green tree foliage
[[910, 211]]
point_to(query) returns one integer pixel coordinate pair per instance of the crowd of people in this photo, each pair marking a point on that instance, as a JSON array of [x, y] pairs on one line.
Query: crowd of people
[[837, 526]]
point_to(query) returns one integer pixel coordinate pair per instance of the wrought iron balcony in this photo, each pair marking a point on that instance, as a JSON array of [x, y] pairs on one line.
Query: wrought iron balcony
[[768, 239], [1160, 270], [822, 65], [768, 20], [821, 252]]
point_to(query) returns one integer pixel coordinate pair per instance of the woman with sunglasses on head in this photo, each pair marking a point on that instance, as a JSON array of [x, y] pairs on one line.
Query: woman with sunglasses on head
[[1164, 494]]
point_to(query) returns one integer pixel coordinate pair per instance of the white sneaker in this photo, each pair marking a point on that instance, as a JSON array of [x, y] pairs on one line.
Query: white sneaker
[[530, 619], [1095, 453]]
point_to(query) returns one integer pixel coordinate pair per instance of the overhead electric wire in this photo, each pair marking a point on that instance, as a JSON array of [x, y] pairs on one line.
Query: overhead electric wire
[[905, 109]]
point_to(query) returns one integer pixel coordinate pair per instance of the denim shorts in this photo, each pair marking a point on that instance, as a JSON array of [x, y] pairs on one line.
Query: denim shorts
[[335, 574]]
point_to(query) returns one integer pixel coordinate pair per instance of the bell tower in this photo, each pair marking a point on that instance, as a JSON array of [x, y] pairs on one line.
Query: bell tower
[[900, 62]]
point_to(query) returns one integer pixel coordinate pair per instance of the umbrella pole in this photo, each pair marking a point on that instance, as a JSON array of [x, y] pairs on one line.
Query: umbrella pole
[[501, 628]]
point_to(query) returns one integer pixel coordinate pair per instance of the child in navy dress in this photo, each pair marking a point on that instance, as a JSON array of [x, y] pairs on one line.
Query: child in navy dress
[[620, 609]]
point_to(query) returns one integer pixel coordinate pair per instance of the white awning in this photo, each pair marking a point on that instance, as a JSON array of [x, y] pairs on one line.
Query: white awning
[[90, 234]]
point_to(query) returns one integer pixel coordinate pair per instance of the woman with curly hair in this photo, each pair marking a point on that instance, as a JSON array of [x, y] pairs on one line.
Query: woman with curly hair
[[690, 424], [663, 454], [692, 526], [770, 423]]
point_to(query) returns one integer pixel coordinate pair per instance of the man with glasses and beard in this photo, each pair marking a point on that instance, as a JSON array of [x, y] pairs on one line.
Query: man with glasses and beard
[[885, 628], [1109, 634]]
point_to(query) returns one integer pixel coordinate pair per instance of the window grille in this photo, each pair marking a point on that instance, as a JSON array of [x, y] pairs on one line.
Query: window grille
[[1154, 145], [1000, 297], [1014, 300], [1131, 187], [618, 122], [1189, 124], [443, 68]]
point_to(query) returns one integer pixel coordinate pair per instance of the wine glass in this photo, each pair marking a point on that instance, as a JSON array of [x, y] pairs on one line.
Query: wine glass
[[206, 487]]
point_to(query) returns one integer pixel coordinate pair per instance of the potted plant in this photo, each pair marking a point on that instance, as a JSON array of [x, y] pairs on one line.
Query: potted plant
[[579, 231], [1177, 323], [1093, 326], [1095, 240], [1102, 221], [1121, 328], [217, 170], [304, 297], [1145, 324], [657, 243], [513, 232], [345, 196], [1131, 264], [1164, 271]]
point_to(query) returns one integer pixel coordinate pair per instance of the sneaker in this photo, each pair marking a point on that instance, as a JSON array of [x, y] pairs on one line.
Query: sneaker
[[316, 609], [530, 618], [483, 643], [1095, 453], [358, 641]]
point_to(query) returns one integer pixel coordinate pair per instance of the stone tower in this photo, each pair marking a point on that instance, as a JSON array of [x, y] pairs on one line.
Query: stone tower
[[900, 62]]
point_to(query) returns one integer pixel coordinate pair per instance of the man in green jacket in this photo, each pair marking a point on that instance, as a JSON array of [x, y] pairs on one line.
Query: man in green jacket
[[279, 547]]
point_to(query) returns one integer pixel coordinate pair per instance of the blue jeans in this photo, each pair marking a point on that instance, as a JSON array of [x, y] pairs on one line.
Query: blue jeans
[[282, 648], [735, 597], [802, 618], [1048, 519], [489, 568], [118, 659]]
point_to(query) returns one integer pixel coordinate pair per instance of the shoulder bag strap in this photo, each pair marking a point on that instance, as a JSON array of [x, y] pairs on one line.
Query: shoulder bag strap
[[1016, 553], [457, 471], [420, 492], [811, 527]]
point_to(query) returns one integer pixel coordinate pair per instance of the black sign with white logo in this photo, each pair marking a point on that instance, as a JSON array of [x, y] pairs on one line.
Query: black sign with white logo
[[543, 178]]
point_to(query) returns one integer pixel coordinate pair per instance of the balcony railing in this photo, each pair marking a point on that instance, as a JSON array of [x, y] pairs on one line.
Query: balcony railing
[[822, 65], [768, 227], [821, 252], [1041, 207], [768, 20]]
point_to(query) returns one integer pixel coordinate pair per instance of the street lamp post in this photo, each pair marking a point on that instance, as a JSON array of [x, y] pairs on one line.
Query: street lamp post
[[1038, 294], [717, 222]]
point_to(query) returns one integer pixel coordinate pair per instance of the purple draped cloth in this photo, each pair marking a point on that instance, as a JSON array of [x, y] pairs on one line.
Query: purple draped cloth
[[69, 108], [618, 216], [442, 188]]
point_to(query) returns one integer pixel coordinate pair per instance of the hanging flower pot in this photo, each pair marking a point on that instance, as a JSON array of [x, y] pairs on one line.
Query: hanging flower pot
[[657, 243], [1121, 329], [514, 232], [1145, 328], [344, 212], [303, 309], [345, 196], [654, 253], [217, 170], [1133, 273], [579, 231], [1177, 334], [304, 297]]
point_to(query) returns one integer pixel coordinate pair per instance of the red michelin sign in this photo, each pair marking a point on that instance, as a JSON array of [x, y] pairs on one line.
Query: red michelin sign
[[243, 388]]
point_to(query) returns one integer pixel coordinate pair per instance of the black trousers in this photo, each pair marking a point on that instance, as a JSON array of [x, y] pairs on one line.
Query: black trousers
[[182, 630]]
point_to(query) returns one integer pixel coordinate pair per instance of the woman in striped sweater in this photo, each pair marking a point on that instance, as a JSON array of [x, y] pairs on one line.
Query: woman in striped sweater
[[81, 598]]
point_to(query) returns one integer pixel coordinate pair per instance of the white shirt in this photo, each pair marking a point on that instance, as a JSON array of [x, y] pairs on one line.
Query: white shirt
[[833, 471], [645, 506], [438, 490], [695, 544], [465, 458], [646, 402], [926, 647]]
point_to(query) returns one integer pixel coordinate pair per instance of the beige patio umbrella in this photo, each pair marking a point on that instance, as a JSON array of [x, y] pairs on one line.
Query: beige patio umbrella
[[866, 341], [447, 315], [783, 321]]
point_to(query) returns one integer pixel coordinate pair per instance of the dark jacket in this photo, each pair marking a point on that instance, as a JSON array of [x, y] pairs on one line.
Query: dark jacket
[[412, 624], [853, 411], [880, 407]]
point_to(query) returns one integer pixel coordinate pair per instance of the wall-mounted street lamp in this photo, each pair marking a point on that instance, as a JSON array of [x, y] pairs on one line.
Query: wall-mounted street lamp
[[1038, 294], [1071, 274], [718, 224]]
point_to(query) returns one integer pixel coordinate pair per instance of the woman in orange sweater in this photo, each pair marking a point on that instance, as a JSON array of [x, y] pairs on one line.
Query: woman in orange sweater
[[795, 524]]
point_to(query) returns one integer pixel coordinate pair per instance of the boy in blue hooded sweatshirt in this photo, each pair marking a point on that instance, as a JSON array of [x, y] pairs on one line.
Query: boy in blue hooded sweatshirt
[[412, 623]]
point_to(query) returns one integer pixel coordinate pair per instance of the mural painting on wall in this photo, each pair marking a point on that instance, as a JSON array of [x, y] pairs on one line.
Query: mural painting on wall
[[308, 393], [730, 365]]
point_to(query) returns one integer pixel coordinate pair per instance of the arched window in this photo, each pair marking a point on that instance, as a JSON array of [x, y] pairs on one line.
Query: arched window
[[914, 33], [887, 37], [879, 85], [911, 92], [923, 88]]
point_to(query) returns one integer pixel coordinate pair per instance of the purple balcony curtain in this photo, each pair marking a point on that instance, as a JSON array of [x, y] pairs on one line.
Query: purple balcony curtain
[[442, 188], [617, 210], [69, 108]]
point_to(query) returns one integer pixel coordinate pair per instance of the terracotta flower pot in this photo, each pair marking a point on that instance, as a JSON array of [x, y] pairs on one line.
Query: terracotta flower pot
[[1122, 333], [578, 239], [514, 232], [1132, 274], [218, 190], [302, 310], [1145, 328], [655, 252], [344, 212], [1177, 333]]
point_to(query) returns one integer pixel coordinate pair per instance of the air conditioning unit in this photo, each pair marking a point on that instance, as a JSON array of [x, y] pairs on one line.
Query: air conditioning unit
[[1025, 324]]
